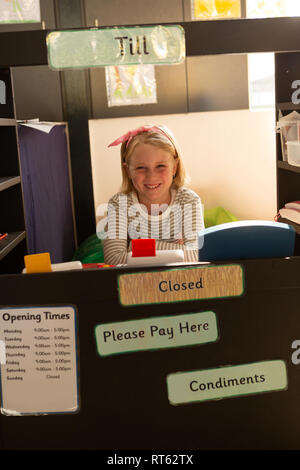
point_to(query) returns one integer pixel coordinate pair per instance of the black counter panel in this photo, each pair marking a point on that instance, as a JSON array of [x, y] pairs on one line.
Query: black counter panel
[[123, 398]]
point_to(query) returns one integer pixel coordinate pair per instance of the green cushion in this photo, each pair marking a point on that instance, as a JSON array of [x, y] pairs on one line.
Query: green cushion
[[217, 216], [90, 251]]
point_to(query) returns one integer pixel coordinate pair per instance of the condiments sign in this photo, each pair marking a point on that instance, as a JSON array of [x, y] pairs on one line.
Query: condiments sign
[[225, 382], [116, 46], [177, 285]]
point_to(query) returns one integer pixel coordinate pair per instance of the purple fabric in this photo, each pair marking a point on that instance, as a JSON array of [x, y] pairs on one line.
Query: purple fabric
[[47, 196]]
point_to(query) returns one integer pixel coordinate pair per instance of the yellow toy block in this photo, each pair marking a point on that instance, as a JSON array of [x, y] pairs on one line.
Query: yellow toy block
[[39, 263]]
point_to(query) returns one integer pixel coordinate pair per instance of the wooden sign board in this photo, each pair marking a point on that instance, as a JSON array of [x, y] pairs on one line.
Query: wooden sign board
[[179, 285]]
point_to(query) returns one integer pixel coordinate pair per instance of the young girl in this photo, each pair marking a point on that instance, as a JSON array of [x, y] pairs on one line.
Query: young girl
[[152, 202]]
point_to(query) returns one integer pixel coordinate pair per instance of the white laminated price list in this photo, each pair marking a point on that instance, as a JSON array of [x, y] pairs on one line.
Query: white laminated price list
[[38, 360]]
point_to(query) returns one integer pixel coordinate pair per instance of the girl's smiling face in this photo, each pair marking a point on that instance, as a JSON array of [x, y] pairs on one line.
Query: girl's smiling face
[[151, 170]]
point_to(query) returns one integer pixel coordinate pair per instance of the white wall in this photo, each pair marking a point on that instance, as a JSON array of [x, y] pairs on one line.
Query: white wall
[[229, 155]]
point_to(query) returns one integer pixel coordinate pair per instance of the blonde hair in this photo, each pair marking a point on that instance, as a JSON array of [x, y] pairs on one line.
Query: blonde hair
[[161, 138]]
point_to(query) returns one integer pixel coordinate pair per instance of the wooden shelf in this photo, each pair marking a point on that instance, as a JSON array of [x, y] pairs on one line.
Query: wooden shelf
[[286, 166], [10, 242], [11, 195], [7, 122], [289, 222], [288, 105], [8, 181]]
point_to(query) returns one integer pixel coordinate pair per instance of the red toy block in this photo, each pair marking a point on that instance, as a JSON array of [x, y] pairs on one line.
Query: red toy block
[[143, 247]]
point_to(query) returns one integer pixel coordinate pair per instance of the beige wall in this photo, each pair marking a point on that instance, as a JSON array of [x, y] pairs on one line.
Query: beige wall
[[229, 155]]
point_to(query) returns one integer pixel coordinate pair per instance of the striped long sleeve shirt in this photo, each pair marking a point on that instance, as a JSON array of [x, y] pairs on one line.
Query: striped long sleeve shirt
[[174, 226]]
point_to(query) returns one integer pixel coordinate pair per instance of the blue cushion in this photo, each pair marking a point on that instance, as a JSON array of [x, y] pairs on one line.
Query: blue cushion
[[246, 239]]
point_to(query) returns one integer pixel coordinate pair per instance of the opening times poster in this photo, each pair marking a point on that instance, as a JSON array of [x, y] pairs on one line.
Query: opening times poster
[[38, 360]]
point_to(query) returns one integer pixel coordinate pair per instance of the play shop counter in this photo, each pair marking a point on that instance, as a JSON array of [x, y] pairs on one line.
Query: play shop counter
[[186, 356], [207, 358]]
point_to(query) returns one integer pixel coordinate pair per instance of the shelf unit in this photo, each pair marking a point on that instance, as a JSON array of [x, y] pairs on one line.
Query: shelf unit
[[12, 220], [288, 167], [287, 70]]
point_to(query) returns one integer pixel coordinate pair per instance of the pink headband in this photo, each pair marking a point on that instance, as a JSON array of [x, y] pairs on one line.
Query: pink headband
[[129, 135]]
